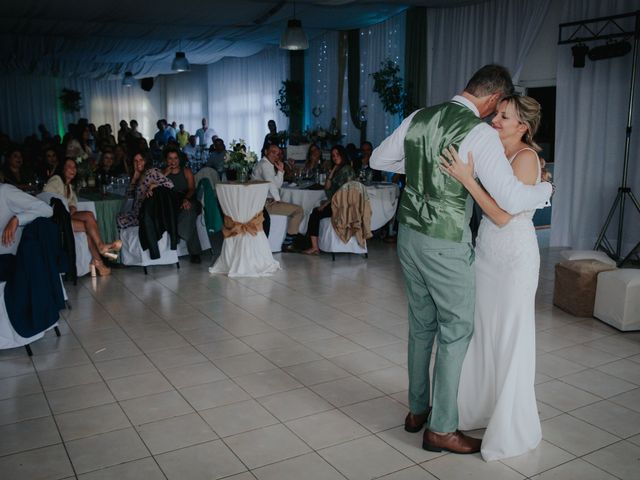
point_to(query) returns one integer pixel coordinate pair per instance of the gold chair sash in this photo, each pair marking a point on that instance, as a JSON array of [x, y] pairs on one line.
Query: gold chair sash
[[252, 227]]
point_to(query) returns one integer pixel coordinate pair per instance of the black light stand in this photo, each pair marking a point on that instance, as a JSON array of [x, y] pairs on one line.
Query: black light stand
[[624, 191]]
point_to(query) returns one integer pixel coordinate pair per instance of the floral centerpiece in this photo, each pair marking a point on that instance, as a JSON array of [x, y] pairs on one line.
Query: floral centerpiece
[[86, 167], [240, 159], [325, 136]]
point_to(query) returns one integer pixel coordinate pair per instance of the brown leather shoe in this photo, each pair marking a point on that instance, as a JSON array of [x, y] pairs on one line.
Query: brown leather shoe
[[455, 442], [413, 422]]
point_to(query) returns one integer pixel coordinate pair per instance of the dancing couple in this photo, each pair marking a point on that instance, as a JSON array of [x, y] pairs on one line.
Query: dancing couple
[[483, 379]]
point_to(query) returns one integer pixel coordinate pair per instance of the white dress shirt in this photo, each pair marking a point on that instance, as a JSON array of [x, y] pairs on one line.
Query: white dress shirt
[[265, 171], [490, 164], [26, 208], [204, 136]]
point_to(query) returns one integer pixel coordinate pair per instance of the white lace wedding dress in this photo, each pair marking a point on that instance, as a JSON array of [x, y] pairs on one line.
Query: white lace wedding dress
[[497, 381]]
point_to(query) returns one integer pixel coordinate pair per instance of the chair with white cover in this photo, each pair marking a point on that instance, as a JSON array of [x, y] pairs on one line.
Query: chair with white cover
[[351, 210], [277, 232], [132, 253], [205, 243], [83, 254]]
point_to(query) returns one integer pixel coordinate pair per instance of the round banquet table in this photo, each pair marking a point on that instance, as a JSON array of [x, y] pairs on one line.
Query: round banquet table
[[244, 255], [106, 209], [382, 195], [307, 199]]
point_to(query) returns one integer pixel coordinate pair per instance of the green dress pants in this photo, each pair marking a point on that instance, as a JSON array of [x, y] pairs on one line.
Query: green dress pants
[[440, 285]]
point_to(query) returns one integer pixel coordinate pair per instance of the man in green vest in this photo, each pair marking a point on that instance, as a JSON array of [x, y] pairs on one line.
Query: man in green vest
[[434, 242]]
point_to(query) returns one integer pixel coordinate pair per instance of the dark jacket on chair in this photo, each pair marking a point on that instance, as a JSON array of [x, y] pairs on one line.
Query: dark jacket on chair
[[159, 214], [33, 294], [62, 218]]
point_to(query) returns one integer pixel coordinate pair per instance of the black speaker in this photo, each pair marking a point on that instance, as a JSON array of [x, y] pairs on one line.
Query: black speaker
[[146, 84]]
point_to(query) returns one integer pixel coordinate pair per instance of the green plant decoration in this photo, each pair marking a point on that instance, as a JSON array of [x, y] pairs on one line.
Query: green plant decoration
[[390, 88], [291, 98], [71, 100]]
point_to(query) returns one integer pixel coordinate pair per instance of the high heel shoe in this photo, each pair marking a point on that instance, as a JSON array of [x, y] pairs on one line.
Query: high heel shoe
[[99, 268], [116, 246], [109, 254], [111, 251]]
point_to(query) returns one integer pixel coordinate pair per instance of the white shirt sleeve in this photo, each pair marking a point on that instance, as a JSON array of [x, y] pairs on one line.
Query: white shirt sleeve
[[25, 207], [389, 155], [265, 171], [494, 171]]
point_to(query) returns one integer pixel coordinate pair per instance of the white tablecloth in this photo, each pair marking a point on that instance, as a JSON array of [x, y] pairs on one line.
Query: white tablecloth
[[384, 200], [244, 255], [307, 199], [383, 197]]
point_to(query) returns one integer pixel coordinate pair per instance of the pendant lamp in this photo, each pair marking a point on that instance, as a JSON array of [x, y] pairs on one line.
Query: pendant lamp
[[180, 63], [293, 37], [128, 79]]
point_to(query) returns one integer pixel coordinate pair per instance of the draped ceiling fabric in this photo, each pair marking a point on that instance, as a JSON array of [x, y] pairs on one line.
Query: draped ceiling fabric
[[462, 39], [591, 117]]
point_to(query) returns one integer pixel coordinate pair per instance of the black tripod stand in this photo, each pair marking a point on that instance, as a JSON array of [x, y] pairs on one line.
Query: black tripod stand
[[624, 191]]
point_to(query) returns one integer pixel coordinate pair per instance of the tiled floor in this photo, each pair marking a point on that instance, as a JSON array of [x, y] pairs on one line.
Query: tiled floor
[[183, 375]]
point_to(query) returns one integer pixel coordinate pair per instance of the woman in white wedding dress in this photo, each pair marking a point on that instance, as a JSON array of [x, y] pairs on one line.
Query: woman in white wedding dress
[[497, 382]]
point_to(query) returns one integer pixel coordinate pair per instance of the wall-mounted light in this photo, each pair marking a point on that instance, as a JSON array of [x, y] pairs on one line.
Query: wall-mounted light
[[180, 63], [610, 50]]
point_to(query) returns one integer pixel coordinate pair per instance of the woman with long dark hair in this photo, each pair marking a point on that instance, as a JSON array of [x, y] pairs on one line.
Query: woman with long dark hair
[[82, 221], [340, 173]]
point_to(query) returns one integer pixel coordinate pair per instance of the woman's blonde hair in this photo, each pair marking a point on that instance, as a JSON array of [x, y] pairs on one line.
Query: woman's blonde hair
[[528, 112]]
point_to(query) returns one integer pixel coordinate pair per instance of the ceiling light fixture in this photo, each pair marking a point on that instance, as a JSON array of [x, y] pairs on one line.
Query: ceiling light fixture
[[128, 79], [293, 37], [579, 53], [180, 63]]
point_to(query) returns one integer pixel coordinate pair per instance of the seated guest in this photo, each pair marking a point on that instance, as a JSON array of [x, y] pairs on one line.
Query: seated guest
[[82, 221], [190, 149], [50, 164], [143, 181], [17, 209], [13, 170], [366, 149], [184, 184], [218, 155], [121, 160], [78, 145], [313, 162], [271, 169], [340, 173], [106, 166]]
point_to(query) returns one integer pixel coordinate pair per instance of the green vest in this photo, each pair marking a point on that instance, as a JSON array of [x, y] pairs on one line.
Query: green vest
[[434, 203]]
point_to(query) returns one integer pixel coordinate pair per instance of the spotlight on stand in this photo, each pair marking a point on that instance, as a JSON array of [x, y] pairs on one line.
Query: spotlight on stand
[[128, 80], [610, 50], [579, 53], [180, 63]]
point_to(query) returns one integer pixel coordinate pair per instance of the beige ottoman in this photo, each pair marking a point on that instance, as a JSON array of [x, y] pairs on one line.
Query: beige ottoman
[[575, 286], [618, 298]]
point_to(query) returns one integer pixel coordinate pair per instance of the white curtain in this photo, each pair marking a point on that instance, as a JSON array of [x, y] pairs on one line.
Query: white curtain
[[591, 116], [377, 44], [462, 39], [242, 94], [28, 100], [187, 97], [321, 73]]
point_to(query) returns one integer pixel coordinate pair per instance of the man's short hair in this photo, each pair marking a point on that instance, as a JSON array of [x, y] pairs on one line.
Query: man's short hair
[[490, 79]]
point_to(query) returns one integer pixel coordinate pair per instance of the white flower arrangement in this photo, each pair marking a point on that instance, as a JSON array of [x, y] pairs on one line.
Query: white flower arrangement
[[240, 157]]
